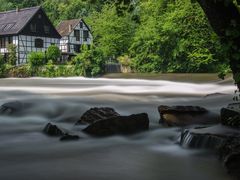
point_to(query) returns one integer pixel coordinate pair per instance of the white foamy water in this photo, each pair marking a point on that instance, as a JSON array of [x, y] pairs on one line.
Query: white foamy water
[[28, 154]]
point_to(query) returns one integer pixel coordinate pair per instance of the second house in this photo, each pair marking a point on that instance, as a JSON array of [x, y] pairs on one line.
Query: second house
[[74, 33]]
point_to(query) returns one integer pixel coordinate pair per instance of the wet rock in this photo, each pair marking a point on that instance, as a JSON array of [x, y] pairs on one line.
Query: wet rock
[[230, 116], [119, 125], [207, 137], [11, 108], [229, 153], [53, 130], [222, 139], [68, 137], [186, 115], [96, 114]]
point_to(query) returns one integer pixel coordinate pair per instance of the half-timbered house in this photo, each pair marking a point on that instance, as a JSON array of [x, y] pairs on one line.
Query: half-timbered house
[[29, 29], [74, 34]]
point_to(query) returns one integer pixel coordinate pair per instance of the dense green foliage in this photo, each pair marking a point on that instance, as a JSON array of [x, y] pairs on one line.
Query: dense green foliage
[[36, 59], [2, 66], [150, 35], [12, 56], [53, 53], [89, 62]]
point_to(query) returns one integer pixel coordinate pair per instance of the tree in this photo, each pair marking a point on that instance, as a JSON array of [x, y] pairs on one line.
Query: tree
[[224, 17]]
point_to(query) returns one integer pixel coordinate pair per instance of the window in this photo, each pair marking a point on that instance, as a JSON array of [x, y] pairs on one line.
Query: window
[[81, 24], [2, 42], [46, 29], [10, 40], [38, 43], [33, 27], [85, 35], [77, 35]]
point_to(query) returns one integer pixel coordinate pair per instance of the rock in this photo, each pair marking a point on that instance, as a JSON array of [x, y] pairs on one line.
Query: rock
[[68, 137], [224, 140], [11, 108], [230, 116], [211, 137], [119, 125], [53, 130], [96, 114], [230, 155], [186, 115]]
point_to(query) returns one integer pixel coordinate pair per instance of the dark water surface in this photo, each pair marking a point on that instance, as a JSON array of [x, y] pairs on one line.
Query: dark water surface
[[27, 154]]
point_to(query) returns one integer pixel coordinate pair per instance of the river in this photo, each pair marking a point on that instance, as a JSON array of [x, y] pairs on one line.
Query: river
[[27, 154]]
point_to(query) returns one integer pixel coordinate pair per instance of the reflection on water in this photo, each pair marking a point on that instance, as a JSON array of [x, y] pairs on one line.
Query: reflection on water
[[28, 154]]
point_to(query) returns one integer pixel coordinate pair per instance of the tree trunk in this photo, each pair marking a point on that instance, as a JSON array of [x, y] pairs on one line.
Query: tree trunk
[[224, 18]]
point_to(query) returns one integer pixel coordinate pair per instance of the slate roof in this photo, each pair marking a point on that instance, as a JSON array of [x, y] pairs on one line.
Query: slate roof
[[12, 22], [63, 27]]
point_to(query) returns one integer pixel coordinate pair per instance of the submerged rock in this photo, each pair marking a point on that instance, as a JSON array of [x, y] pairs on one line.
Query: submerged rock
[[230, 116], [53, 130], [68, 137], [119, 125], [186, 115], [96, 114], [11, 108]]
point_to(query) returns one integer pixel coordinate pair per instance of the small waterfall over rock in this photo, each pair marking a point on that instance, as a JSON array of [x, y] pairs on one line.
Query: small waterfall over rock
[[190, 139]]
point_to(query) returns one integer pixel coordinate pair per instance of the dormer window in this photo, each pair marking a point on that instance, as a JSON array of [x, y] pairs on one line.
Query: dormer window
[[38, 43], [46, 29], [33, 27]]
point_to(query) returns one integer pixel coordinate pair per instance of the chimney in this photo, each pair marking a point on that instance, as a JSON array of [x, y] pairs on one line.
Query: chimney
[[70, 28]]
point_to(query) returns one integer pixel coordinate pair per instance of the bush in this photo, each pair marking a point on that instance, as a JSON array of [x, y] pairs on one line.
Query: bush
[[12, 56], [124, 60], [89, 62], [53, 53], [2, 67], [20, 71], [36, 59]]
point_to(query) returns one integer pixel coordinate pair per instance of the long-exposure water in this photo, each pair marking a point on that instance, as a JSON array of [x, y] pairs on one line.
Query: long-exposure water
[[27, 154]]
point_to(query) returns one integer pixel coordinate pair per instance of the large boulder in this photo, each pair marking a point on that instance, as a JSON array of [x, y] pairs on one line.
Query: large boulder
[[230, 116], [53, 130], [186, 115], [96, 114], [119, 125]]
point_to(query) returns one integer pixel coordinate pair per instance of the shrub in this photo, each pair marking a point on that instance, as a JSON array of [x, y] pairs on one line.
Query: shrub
[[2, 67], [12, 56], [53, 53], [36, 59], [20, 71], [89, 62], [124, 60]]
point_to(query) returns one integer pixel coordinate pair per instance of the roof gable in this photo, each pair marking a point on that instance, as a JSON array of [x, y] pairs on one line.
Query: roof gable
[[12, 22], [41, 21], [63, 27]]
